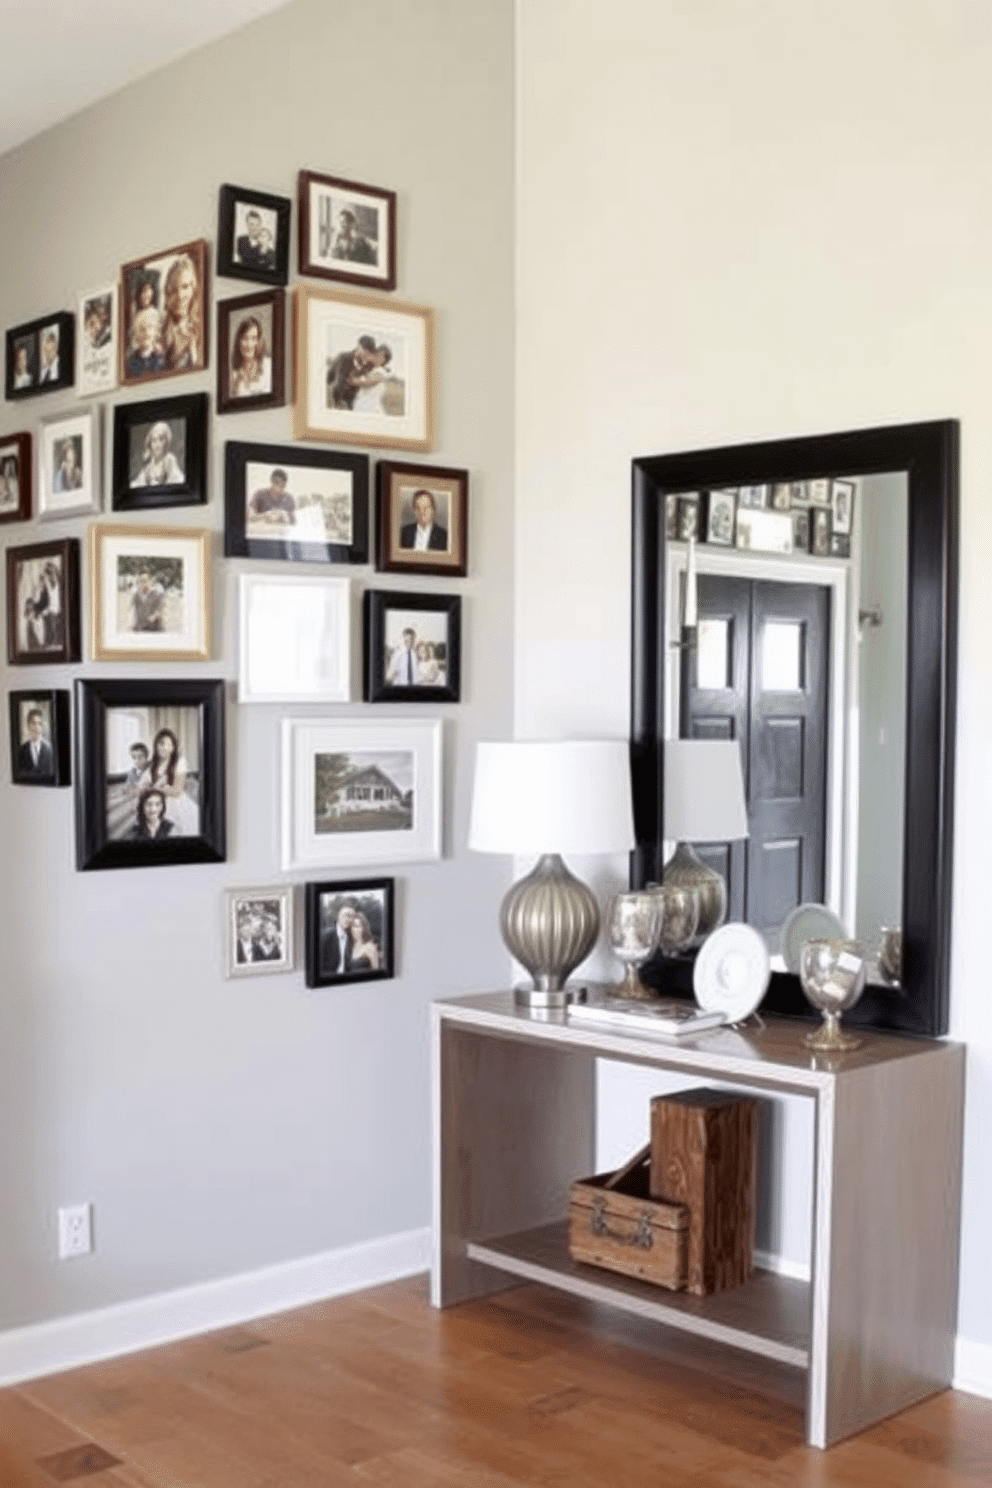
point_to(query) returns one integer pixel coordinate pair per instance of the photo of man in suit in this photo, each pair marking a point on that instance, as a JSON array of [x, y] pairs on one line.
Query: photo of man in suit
[[425, 535], [34, 758], [255, 247], [336, 943]]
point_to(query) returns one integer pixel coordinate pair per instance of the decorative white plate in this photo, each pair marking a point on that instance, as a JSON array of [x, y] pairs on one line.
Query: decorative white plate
[[731, 972], [808, 922]]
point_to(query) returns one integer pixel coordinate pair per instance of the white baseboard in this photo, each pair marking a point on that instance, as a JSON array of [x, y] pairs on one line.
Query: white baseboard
[[781, 1265], [973, 1367], [46, 1348]]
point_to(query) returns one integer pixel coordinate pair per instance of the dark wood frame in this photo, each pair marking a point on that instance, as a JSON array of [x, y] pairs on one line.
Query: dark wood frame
[[24, 475], [314, 893], [226, 265], [237, 544], [192, 409], [66, 548], [199, 251], [66, 322], [93, 698], [58, 704], [392, 559], [384, 280], [928, 452], [376, 604], [276, 397]]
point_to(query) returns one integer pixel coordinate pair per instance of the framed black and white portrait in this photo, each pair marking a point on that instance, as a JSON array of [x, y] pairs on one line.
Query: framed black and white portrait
[[349, 931], [39, 737], [41, 355], [412, 647], [347, 231], [15, 477], [251, 352], [43, 603], [160, 453], [259, 930], [253, 235]]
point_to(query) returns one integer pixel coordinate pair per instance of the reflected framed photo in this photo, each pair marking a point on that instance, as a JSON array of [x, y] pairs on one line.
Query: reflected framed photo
[[800, 531], [149, 773], [765, 531], [96, 340], [819, 492], [15, 477], [347, 231], [160, 453], [720, 510], [70, 464], [819, 542], [163, 314], [755, 497], [364, 370], [251, 352], [253, 235], [149, 593], [349, 931], [421, 519], [842, 494], [258, 930], [41, 355], [295, 639], [43, 603], [301, 505], [687, 518], [39, 737], [357, 791], [412, 647]]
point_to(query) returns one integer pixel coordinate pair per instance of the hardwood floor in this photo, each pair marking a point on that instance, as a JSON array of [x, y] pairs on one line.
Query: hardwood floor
[[531, 1388]]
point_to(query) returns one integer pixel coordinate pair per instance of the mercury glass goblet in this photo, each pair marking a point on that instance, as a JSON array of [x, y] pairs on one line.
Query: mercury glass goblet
[[633, 922], [681, 906], [890, 953], [832, 974]]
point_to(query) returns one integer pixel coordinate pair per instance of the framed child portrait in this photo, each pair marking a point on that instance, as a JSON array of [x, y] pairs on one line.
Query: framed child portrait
[[349, 931], [251, 352], [43, 603], [253, 235], [39, 737], [160, 453], [70, 464], [421, 519], [412, 647], [163, 314], [347, 231], [15, 477]]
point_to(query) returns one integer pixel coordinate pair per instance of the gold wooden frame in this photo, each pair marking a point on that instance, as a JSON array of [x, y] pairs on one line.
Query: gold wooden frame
[[99, 535]]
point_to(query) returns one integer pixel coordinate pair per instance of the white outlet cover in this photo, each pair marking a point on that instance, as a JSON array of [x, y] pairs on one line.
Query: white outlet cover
[[75, 1234]]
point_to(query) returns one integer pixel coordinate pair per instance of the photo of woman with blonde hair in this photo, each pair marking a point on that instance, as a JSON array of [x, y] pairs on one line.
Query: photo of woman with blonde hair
[[182, 329]]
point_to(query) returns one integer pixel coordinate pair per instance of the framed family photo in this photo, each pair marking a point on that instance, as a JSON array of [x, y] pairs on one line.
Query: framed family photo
[[40, 355], [149, 773], [15, 477], [39, 738], [259, 930], [253, 235], [421, 519], [360, 792], [304, 506], [295, 639], [412, 647], [349, 931], [251, 352], [96, 339], [347, 231], [149, 593], [163, 314], [160, 453], [364, 370], [70, 464], [43, 603]]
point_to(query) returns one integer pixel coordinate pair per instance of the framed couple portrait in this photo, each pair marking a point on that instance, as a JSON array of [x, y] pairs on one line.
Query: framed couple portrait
[[149, 593], [258, 927], [15, 477], [163, 314], [412, 647], [160, 453], [349, 931], [41, 355], [43, 603], [298, 505], [39, 737], [347, 231], [253, 235]]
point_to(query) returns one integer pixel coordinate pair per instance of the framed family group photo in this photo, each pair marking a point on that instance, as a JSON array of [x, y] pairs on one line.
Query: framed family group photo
[[70, 464], [149, 593], [163, 313], [304, 506], [39, 738], [96, 339], [15, 477], [421, 519], [412, 647], [40, 355], [251, 352], [349, 931], [160, 453], [347, 231], [253, 235], [149, 773], [295, 639], [43, 603], [259, 930]]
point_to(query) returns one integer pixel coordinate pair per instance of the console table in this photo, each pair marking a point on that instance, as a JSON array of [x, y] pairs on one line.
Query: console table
[[514, 1124]]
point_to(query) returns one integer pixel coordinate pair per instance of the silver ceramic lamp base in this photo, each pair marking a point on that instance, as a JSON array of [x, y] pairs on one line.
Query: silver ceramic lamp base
[[550, 921], [687, 870]]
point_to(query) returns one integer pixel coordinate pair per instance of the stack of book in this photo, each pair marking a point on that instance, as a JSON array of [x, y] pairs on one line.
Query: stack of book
[[664, 1019]]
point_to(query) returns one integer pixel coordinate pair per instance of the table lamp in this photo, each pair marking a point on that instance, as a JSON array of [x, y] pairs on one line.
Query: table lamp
[[550, 799], [704, 802]]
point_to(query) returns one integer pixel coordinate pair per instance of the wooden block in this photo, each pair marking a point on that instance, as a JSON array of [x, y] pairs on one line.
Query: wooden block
[[613, 1222], [703, 1155]]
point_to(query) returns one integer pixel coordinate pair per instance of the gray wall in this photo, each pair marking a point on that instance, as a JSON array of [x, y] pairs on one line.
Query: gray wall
[[218, 1125]]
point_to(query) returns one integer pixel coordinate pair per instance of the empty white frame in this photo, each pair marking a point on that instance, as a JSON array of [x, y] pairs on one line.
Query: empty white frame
[[295, 639]]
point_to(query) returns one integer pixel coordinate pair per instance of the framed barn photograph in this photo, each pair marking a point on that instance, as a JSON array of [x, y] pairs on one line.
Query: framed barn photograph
[[287, 502], [251, 352], [347, 231], [421, 519], [43, 603], [39, 737], [364, 370], [96, 339], [149, 772], [253, 235], [163, 314], [258, 930], [349, 931], [295, 639], [41, 355], [356, 791], [160, 453], [15, 477], [412, 647], [149, 593], [70, 464]]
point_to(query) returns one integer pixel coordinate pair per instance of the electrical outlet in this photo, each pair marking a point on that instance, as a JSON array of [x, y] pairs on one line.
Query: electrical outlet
[[75, 1234]]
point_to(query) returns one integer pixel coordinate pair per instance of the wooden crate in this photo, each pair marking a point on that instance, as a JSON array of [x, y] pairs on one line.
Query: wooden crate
[[703, 1154], [613, 1222]]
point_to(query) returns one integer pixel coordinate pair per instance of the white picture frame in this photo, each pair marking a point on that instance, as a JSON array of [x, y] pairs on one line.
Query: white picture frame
[[294, 639], [356, 792], [96, 340], [70, 465], [259, 931]]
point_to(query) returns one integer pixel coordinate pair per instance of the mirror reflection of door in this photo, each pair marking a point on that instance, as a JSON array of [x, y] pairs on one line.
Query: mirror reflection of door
[[762, 674]]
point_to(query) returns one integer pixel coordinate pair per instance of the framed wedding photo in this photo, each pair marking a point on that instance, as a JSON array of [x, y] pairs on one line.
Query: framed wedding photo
[[96, 339], [160, 453], [349, 931], [43, 603], [259, 930], [253, 235], [421, 519], [39, 738], [251, 352], [70, 464], [149, 773], [364, 370], [163, 314], [347, 231], [15, 477], [40, 355], [287, 502], [412, 647], [149, 593], [295, 639]]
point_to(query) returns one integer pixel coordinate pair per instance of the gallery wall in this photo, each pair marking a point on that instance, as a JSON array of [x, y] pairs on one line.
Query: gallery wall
[[220, 1126]]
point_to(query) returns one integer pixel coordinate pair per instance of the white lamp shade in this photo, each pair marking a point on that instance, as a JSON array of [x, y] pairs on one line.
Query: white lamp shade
[[704, 791], [563, 797]]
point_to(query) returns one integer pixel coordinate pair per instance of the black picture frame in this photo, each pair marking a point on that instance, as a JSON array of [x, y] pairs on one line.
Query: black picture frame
[[398, 482], [269, 307], [928, 452], [189, 410], [230, 264], [15, 451], [53, 766], [31, 337], [377, 678], [372, 897], [95, 847], [47, 632], [240, 462]]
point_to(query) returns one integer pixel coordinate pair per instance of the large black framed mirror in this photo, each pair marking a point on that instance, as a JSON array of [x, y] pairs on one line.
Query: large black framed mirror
[[921, 461]]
